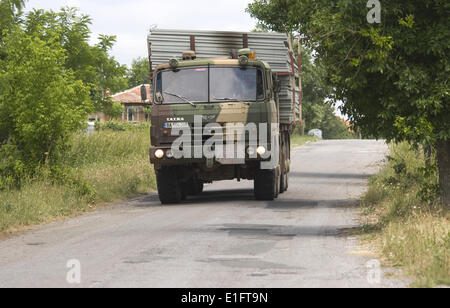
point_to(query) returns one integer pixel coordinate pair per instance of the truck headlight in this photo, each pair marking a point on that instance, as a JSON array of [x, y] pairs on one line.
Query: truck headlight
[[261, 151], [159, 154]]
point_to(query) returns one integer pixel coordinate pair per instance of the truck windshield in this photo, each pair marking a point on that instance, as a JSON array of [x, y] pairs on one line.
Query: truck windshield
[[220, 84], [183, 86]]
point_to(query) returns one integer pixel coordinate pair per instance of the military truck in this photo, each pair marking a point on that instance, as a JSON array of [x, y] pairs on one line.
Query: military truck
[[241, 89]]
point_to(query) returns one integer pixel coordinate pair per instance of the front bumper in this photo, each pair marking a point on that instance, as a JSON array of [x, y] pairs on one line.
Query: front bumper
[[167, 161]]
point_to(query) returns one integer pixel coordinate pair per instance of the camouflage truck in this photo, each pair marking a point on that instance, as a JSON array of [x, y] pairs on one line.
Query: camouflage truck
[[221, 112]]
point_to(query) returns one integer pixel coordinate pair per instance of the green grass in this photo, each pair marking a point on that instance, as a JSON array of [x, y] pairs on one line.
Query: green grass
[[104, 167], [299, 140], [408, 224]]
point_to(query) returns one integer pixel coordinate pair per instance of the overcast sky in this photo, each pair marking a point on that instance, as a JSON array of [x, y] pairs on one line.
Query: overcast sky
[[131, 19]]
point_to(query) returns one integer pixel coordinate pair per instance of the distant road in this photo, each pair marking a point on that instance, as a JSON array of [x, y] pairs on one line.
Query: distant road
[[221, 239]]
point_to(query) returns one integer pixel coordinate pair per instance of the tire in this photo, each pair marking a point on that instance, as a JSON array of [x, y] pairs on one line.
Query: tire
[[200, 187], [184, 192], [284, 185], [277, 186], [265, 185], [194, 187], [169, 188]]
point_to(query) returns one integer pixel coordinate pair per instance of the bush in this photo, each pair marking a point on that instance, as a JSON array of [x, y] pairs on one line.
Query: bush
[[114, 126], [12, 169]]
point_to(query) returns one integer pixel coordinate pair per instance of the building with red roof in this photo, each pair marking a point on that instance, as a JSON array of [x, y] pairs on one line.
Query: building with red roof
[[135, 110]]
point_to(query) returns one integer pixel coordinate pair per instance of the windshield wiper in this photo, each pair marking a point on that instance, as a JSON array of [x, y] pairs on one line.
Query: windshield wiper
[[229, 99], [181, 97], [226, 99]]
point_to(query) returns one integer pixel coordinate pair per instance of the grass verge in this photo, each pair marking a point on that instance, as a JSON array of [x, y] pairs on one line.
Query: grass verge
[[408, 225], [299, 140], [105, 166]]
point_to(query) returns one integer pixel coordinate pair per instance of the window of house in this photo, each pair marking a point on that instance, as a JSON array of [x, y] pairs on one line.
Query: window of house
[[130, 115]]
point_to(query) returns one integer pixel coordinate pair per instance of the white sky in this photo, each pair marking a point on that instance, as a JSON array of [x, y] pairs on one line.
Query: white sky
[[131, 19]]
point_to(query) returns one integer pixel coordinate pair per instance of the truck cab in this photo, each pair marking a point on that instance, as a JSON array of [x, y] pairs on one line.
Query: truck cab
[[217, 119]]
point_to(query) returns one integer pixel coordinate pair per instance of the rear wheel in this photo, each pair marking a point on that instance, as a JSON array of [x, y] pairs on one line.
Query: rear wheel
[[265, 185], [169, 188], [284, 185], [200, 187], [277, 186]]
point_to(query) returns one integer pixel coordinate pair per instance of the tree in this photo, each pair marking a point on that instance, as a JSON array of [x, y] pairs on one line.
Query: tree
[[114, 110], [392, 76], [139, 73], [91, 64], [9, 12], [41, 102]]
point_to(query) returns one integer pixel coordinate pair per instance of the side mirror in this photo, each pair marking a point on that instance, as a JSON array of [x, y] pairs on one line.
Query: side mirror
[[144, 93]]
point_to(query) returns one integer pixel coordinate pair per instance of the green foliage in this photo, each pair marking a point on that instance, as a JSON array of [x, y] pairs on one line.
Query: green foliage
[[139, 73], [393, 76], [10, 10], [148, 110], [41, 102], [107, 147], [277, 16], [114, 126], [124, 126], [50, 79], [408, 171], [114, 110], [334, 127], [298, 140], [12, 168], [90, 64]]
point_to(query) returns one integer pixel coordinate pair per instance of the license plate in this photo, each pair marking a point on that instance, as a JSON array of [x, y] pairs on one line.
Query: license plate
[[176, 125]]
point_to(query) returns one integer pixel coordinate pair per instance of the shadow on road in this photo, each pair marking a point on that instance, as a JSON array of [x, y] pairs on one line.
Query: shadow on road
[[218, 196], [311, 204], [279, 231], [246, 198], [330, 175], [212, 197]]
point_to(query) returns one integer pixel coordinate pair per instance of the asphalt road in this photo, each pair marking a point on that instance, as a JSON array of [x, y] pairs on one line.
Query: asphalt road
[[221, 239]]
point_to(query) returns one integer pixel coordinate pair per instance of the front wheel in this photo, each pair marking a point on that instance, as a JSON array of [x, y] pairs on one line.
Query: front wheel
[[169, 187], [265, 184]]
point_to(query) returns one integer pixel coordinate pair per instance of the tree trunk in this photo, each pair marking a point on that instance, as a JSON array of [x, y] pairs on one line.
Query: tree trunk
[[443, 155]]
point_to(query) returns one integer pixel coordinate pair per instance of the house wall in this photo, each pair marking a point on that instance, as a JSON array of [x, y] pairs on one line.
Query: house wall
[[132, 113]]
